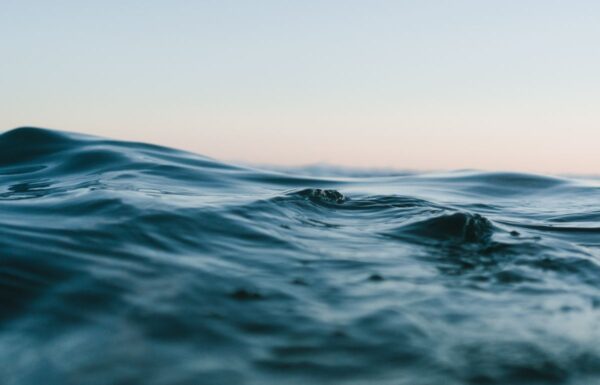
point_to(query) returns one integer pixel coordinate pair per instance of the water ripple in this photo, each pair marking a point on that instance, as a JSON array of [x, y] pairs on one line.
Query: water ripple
[[138, 264]]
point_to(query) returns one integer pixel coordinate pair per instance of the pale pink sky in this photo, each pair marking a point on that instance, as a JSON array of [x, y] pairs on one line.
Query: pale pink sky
[[408, 85]]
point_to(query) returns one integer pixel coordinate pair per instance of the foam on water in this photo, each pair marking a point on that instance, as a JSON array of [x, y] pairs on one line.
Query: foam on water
[[127, 263]]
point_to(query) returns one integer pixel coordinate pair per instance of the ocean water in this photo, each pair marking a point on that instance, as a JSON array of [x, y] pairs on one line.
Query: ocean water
[[127, 263]]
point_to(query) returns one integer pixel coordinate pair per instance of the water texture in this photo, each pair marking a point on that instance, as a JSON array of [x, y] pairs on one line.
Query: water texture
[[127, 263]]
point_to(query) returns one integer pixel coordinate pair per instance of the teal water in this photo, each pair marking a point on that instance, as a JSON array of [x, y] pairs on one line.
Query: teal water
[[127, 263]]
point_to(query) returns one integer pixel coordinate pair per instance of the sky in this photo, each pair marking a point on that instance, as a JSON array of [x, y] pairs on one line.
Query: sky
[[425, 85]]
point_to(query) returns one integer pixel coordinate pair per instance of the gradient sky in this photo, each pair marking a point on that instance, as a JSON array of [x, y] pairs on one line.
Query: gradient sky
[[499, 85]]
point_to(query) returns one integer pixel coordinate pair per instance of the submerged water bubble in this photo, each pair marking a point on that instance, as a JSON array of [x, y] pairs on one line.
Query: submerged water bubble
[[130, 263]]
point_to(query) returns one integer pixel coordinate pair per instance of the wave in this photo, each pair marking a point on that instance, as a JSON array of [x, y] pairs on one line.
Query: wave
[[132, 263], [458, 227]]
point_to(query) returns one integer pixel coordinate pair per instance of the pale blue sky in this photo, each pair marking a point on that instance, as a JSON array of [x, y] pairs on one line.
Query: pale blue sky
[[504, 85]]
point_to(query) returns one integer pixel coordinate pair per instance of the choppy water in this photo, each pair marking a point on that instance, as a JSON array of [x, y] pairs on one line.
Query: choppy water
[[126, 263]]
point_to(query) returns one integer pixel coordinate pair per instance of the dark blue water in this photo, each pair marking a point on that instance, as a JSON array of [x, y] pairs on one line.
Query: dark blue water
[[126, 263]]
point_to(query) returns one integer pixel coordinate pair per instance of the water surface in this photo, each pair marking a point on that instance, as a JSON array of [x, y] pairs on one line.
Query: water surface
[[127, 263]]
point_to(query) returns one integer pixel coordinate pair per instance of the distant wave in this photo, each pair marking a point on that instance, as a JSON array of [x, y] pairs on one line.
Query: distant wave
[[129, 263]]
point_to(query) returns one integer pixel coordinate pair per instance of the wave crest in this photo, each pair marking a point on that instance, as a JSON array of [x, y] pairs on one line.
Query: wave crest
[[456, 227]]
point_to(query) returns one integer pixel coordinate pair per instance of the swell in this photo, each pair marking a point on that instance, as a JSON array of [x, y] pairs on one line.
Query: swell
[[43, 162], [132, 263]]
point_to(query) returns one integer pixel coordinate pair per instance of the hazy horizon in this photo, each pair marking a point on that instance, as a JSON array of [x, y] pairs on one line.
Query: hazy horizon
[[404, 85]]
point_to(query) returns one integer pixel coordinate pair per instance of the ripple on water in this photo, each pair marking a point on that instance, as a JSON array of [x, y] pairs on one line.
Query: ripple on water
[[138, 264]]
